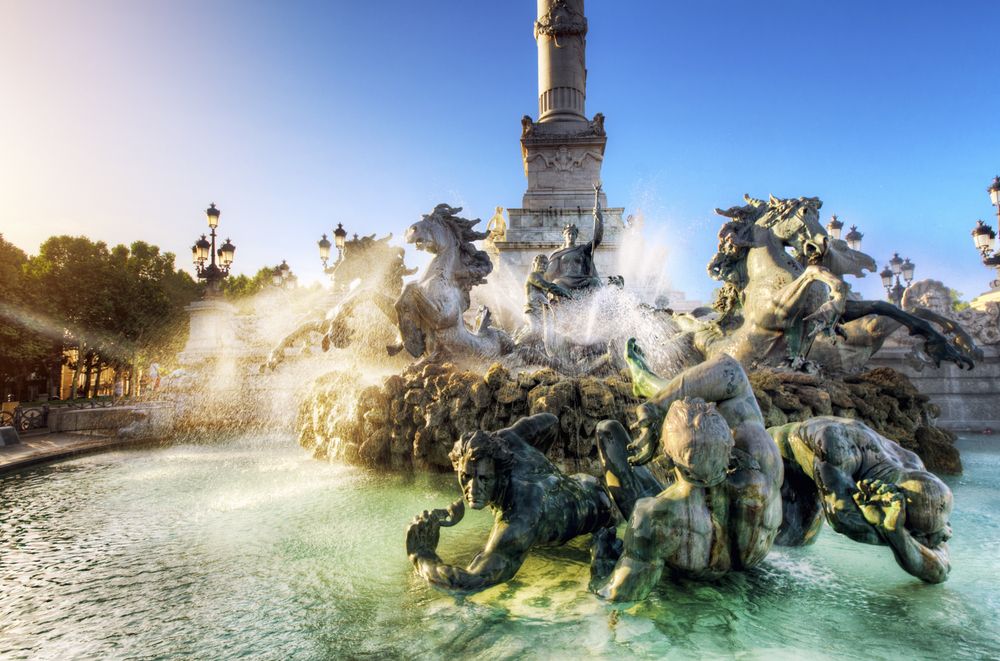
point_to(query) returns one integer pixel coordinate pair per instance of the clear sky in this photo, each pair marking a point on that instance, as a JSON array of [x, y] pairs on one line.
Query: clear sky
[[122, 120]]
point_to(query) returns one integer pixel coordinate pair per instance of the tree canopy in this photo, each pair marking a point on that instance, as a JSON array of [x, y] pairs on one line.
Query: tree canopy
[[114, 305]]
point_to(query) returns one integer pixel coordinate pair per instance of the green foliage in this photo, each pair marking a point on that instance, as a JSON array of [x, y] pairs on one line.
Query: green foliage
[[957, 304], [117, 304], [24, 346], [240, 286]]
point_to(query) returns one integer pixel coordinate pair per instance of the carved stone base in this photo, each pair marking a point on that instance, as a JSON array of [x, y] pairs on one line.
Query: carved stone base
[[212, 331]]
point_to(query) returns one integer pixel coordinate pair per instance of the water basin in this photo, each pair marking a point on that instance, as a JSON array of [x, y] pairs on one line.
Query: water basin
[[248, 548]]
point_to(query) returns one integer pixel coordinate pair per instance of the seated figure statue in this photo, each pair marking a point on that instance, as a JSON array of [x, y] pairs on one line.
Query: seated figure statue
[[868, 488], [535, 503], [537, 294], [723, 508], [572, 266]]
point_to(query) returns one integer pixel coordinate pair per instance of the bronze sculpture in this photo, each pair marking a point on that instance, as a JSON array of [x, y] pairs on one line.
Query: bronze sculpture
[[538, 293], [722, 509], [868, 488], [572, 266], [428, 312], [783, 294], [535, 503], [378, 269]]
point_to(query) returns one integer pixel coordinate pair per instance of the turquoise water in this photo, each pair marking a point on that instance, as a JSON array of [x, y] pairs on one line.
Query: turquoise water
[[249, 549]]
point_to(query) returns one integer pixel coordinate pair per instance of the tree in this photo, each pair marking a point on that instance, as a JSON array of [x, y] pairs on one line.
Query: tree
[[242, 286], [115, 304], [26, 345], [149, 299], [957, 304], [73, 276]]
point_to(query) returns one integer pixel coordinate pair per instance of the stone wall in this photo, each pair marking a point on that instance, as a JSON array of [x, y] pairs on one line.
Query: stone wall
[[969, 400], [102, 418]]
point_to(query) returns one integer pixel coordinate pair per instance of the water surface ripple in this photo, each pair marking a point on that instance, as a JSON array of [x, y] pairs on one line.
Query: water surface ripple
[[249, 549]]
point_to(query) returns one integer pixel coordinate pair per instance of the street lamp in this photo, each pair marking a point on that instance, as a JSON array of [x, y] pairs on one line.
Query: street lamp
[[283, 277], [908, 269], [896, 264], [213, 215], [324, 250], [890, 275], [886, 276], [204, 250], [834, 227], [340, 236], [983, 235], [226, 253], [853, 238], [200, 250], [339, 241]]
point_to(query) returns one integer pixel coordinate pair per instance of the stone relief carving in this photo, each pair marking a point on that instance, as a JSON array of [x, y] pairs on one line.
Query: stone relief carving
[[566, 159], [930, 294], [982, 325], [561, 21]]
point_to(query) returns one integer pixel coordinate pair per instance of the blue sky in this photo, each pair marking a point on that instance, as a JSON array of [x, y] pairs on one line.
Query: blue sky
[[122, 120]]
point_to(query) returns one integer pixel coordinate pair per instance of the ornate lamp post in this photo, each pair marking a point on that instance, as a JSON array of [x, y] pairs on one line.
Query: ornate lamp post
[[983, 235], [897, 267], [324, 250], [339, 240], [834, 227], [853, 238], [205, 251], [283, 277]]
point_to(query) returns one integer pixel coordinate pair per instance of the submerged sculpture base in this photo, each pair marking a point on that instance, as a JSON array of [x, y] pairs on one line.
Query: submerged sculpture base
[[413, 419]]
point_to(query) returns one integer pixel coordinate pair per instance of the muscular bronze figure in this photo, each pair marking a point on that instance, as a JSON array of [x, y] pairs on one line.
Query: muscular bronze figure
[[722, 509], [868, 488], [538, 292], [534, 502]]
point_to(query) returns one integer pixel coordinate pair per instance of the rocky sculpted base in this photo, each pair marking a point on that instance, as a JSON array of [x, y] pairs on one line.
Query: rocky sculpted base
[[412, 420]]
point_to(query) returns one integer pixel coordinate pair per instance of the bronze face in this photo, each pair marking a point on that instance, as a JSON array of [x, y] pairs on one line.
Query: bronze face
[[478, 479]]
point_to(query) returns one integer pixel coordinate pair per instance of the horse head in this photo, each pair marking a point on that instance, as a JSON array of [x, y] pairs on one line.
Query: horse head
[[436, 232], [444, 234], [795, 223]]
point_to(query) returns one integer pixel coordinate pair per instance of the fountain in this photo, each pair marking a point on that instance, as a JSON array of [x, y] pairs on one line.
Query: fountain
[[607, 449]]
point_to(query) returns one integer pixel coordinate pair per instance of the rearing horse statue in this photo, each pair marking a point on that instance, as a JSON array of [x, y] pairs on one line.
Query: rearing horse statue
[[429, 312], [784, 292], [366, 264]]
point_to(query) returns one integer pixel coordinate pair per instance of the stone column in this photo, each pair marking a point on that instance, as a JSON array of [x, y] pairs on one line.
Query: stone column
[[561, 34]]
